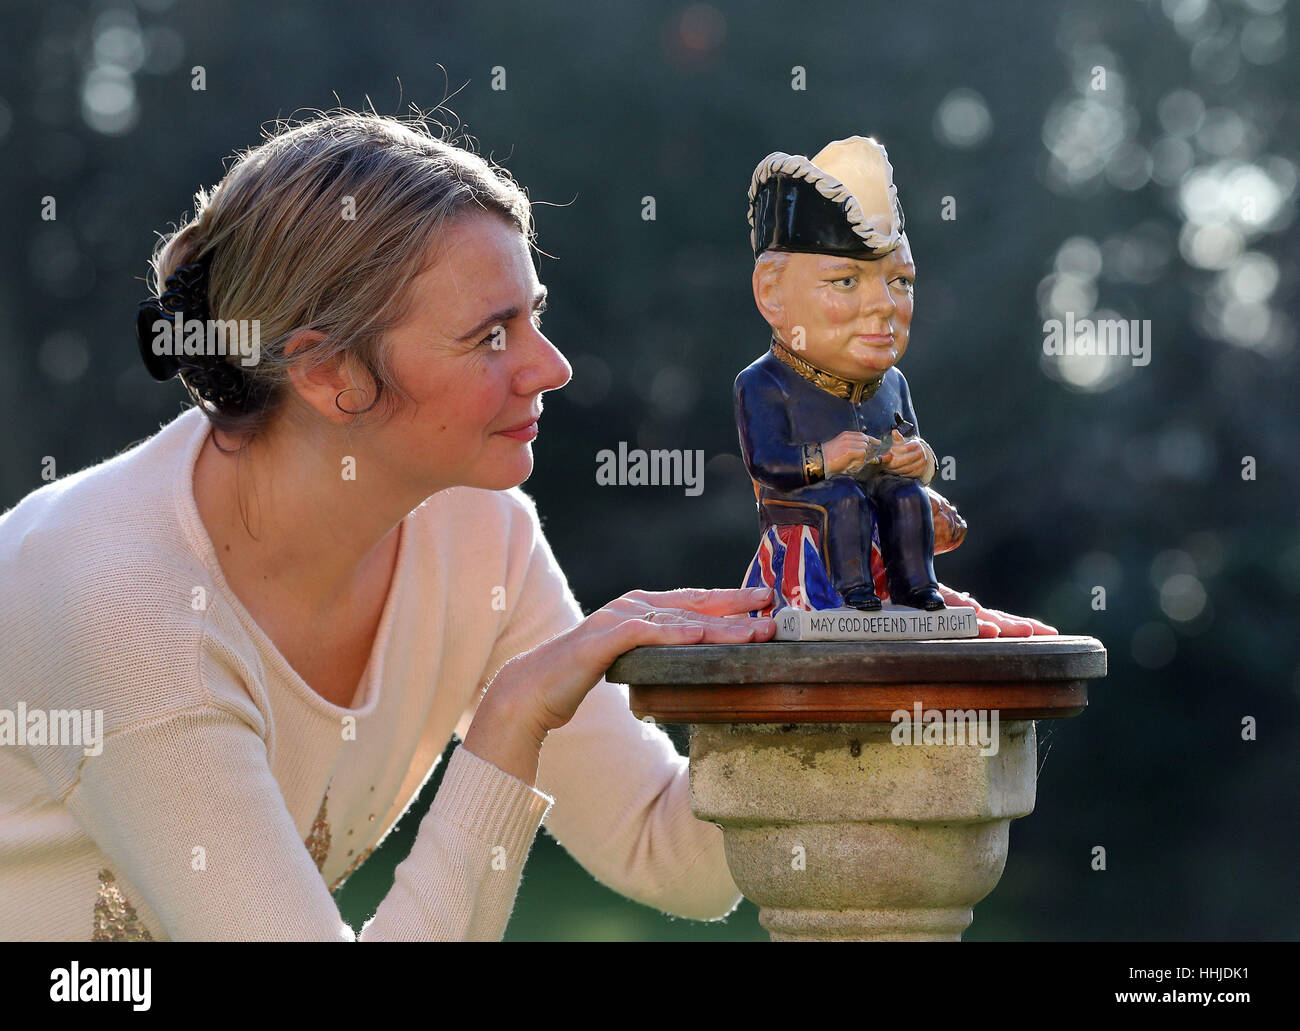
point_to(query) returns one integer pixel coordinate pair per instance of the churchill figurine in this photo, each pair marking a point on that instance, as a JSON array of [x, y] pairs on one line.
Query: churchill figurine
[[827, 427]]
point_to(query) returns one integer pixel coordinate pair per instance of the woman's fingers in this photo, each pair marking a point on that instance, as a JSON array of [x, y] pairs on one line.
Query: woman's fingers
[[633, 633], [668, 628], [1009, 625], [995, 622], [723, 630], [719, 627], [706, 618], [955, 598], [719, 602]]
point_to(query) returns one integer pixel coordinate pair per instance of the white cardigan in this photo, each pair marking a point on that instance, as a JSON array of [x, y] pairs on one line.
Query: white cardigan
[[227, 799]]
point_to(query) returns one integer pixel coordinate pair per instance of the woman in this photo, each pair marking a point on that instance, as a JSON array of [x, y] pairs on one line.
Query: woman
[[283, 603]]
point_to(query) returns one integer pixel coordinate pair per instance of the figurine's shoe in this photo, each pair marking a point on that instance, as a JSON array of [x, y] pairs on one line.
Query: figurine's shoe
[[863, 597], [922, 598]]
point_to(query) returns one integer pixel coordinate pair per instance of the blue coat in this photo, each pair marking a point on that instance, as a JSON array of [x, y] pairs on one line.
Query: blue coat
[[779, 416]]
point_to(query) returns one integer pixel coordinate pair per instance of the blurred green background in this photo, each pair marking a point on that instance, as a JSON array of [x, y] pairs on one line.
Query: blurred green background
[[1163, 189]]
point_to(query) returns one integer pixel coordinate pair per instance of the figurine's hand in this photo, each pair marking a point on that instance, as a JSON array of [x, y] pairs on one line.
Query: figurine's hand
[[907, 457], [847, 453], [543, 688]]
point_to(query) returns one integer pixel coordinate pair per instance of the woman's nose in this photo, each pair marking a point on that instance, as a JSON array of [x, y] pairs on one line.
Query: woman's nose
[[542, 366]]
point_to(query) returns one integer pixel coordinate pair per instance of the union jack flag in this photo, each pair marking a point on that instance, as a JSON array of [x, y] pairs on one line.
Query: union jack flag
[[789, 561]]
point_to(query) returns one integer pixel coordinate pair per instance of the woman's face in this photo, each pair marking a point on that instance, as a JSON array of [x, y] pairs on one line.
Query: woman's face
[[473, 358]]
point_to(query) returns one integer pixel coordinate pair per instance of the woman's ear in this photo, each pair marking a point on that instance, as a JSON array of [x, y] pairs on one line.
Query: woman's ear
[[320, 384]]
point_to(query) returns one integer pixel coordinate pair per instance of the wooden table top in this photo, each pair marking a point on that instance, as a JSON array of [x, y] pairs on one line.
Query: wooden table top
[[859, 682]]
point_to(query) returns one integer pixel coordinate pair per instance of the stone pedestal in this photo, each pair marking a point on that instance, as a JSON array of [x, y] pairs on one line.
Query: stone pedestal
[[842, 820]]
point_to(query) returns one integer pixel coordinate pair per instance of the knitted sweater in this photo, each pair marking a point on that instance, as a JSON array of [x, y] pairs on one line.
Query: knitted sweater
[[222, 798]]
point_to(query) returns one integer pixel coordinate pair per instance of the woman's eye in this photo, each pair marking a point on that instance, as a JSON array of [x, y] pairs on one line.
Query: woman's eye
[[847, 281], [497, 338], [905, 281]]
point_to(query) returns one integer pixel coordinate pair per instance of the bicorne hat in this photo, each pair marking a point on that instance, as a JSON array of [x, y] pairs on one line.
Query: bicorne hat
[[841, 201]]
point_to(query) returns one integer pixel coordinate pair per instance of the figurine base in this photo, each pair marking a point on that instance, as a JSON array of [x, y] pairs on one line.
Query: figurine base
[[891, 623]]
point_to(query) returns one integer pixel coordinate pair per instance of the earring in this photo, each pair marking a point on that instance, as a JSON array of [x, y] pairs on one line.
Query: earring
[[339, 406]]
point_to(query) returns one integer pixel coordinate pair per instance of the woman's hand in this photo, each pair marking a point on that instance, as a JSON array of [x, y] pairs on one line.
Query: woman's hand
[[540, 690], [556, 676]]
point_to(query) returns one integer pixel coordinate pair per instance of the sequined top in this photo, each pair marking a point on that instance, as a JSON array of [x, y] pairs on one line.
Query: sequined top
[[223, 799]]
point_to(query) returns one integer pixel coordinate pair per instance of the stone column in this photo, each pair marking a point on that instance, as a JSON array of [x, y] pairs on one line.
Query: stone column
[[839, 822]]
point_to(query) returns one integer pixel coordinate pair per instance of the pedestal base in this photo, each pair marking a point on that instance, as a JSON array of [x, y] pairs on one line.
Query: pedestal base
[[842, 819], [838, 833]]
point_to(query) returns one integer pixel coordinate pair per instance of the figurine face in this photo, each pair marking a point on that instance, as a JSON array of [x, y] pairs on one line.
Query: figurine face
[[855, 315]]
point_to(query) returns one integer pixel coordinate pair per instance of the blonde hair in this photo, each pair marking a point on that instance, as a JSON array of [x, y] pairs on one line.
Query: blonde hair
[[321, 227]]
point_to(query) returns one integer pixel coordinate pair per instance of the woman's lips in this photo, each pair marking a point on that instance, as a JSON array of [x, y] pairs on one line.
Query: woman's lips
[[877, 338], [526, 432]]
